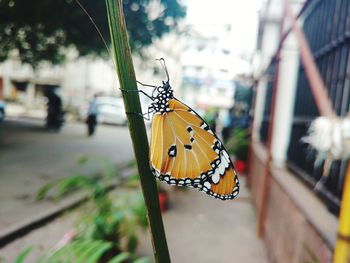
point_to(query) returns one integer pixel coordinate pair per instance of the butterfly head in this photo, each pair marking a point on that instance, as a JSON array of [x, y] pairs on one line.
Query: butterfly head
[[165, 87], [165, 91], [162, 94]]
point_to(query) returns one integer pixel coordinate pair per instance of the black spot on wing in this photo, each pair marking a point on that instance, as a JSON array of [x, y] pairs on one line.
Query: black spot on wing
[[204, 126], [188, 147], [172, 151]]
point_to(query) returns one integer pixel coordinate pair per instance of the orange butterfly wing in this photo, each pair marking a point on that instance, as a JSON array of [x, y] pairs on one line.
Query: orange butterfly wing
[[184, 151]]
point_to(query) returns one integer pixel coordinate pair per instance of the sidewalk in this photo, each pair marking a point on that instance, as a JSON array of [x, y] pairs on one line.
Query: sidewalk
[[199, 229]]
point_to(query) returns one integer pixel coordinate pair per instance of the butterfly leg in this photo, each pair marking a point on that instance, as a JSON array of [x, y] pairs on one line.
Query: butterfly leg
[[143, 115], [138, 114], [145, 85], [141, 91]]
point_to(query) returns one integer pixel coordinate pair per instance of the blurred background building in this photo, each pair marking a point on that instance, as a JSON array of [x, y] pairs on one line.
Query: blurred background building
[[203, 60], [208, 77]]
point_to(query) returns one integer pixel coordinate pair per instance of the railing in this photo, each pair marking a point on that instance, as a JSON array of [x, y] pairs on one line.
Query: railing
[[327, 28], [327, 32]]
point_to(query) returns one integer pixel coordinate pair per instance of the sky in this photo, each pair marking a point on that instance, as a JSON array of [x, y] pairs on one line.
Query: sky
[[242, 15]]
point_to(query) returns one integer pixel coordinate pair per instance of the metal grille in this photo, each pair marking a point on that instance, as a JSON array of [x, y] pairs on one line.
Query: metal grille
[[327, 28]]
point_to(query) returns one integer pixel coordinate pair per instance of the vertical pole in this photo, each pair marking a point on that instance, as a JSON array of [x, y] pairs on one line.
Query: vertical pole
[[266, 172], [342, 246], [127, 81], [318, 88]]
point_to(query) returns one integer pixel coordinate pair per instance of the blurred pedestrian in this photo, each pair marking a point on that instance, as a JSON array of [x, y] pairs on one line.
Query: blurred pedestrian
[[55, 114], [92, 116]]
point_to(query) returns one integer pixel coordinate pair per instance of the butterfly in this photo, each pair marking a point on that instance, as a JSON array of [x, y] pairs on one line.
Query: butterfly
[[184, 151]]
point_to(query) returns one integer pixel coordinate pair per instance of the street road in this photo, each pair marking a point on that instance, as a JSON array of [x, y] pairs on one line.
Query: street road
[[30, 156]]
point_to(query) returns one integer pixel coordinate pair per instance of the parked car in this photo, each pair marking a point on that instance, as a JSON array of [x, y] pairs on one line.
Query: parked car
[[110, 111], [2, 110]]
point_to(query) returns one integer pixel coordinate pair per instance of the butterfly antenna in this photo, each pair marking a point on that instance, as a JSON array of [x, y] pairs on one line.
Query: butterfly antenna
[[162, 62], [97, 29]]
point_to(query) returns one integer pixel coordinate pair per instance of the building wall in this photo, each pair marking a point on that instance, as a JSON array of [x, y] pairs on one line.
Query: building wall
[[79, 78], [208, 70], [298, 228]]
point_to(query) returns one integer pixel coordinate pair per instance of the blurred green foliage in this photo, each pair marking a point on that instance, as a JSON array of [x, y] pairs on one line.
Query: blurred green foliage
[[112, 219], [41, 30], [83, 251], [238, 144], [22, 256]]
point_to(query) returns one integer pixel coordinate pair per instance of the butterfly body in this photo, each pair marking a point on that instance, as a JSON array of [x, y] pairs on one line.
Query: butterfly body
[[185, 152], [160, 102]]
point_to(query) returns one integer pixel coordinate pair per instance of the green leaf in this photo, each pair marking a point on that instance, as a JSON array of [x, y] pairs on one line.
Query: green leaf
[[92, 251], [83, 159], [98, 252], [87, 251], [132, 243], [61, 254], [142, 260], [120, 258], [22, 256], [74, 182], [66, 185], [43, 191]]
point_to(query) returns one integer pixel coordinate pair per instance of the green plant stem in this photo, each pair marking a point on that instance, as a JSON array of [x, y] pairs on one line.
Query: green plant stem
[[137, 128]]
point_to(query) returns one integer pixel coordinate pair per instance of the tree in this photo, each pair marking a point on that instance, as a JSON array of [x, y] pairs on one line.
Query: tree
[[41, 30]]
